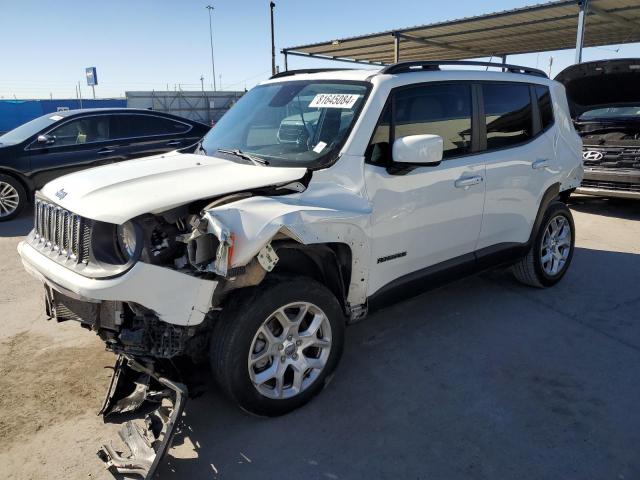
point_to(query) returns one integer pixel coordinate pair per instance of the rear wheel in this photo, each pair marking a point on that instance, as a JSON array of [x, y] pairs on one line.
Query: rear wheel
[[276, 344], [13, 197], [552, 250]]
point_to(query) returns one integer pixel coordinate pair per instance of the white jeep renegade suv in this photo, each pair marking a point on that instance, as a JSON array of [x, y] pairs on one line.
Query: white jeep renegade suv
[[318, 197]]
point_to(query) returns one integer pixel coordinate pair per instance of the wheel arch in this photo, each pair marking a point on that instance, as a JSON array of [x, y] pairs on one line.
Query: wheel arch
[[26, 184], [329, 263], [548, 197]]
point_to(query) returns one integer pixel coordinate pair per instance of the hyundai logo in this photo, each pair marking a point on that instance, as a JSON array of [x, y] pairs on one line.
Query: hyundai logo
[[592, 155], [61, 193]]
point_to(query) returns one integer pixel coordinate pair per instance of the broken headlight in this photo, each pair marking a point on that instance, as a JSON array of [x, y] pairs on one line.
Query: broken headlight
[[127, 239]]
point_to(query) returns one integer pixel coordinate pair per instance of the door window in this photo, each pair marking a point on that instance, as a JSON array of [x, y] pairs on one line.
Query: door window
[[436, 109], [508, 115], [82, 130], [132, 126]]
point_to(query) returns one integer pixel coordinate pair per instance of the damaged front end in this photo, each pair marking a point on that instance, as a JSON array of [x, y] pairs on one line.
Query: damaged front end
[[136, 387]]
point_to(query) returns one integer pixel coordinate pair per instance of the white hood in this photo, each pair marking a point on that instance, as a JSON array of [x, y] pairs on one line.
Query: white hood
[[116, 193]]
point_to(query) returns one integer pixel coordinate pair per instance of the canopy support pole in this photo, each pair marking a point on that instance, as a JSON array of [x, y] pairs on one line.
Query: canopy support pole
[[286, 64], [582, 18], [396, 47]]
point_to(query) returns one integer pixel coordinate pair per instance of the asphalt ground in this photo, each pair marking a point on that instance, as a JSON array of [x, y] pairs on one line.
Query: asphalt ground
[[481, 379]]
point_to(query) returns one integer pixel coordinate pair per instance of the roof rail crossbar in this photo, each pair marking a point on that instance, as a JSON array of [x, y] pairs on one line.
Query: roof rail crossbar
[[288, 73], [403, 67]]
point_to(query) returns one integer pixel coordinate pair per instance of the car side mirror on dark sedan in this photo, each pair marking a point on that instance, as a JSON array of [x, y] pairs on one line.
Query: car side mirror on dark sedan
[[46, 139]]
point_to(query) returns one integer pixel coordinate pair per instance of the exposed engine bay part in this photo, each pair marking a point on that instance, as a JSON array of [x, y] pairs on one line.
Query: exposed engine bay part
[[147, 439], [209, 245]]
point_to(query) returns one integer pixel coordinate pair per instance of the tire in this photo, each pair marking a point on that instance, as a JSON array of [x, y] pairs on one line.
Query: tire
[[241, 346], [13, 197], [532, 269]]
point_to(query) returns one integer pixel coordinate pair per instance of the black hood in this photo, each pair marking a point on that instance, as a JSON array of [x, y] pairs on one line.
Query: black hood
[[603, 83]]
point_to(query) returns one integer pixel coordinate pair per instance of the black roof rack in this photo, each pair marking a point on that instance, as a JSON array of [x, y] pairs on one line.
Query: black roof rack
[[404, 67], [288, 73]]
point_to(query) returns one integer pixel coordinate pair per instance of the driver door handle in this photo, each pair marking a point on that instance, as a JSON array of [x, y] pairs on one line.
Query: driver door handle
[[464, 182], [541, 163], [174, 143], [105, 151]]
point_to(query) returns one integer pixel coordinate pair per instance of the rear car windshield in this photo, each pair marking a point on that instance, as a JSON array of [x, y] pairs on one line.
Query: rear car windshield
[[297, 123], [26, 130]]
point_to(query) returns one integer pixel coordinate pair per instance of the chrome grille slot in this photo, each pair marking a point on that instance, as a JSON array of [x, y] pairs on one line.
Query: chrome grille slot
[[62, 231]]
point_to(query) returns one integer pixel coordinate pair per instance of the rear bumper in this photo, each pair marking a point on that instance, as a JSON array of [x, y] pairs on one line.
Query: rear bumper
[[607, 183], [175, 297]]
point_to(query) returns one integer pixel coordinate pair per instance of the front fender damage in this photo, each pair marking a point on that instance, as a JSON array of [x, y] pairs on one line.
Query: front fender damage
[[149, 438]]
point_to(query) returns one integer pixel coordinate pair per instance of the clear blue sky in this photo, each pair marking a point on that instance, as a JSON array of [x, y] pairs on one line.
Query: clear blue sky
[[149, 44]]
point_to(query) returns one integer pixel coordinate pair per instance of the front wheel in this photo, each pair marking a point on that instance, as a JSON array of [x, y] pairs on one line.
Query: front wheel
[[552, 250], [275, 345]]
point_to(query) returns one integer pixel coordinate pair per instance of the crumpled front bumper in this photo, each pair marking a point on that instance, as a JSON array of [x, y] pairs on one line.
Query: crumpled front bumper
[[175, 297], [148, 440]]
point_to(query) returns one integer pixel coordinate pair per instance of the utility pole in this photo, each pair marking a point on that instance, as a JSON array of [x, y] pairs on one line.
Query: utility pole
[[213, 68], [80, 95], [273, 41], [202, 82]]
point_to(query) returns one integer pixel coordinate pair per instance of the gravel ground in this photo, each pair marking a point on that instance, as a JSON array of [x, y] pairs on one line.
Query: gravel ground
[[481, 379]]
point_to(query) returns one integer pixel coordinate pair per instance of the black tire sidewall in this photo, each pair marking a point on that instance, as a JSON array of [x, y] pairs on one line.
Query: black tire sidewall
[[22, 196], [231, 359], [555, 209]]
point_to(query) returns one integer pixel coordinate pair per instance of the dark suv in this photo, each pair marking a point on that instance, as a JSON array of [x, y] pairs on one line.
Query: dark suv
[[604, 99], [63, 142]]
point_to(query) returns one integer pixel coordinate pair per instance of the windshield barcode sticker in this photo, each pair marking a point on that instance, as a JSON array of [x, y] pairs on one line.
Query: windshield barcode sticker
[[334, 100]]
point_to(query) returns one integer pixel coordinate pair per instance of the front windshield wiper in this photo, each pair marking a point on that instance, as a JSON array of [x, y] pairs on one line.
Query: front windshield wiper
[[246, 156]]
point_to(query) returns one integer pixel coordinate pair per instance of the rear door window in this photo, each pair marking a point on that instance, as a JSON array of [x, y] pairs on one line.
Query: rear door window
[[508, 114], [134, 126]]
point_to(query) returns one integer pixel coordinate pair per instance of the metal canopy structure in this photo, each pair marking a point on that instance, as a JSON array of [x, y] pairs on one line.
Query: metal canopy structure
[[555, 25]]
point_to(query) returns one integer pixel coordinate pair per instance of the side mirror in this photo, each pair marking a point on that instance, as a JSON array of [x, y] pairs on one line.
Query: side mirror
[[418, 149], [46, 140]]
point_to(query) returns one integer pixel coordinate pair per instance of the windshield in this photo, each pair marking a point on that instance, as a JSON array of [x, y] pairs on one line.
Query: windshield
[[26, 130], [298, 123], [611, 112]]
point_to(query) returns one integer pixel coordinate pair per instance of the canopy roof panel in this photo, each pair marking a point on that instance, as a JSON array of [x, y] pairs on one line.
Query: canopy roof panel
[[537, 28]]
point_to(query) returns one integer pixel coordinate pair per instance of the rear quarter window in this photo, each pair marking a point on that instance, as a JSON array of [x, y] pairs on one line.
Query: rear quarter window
[[545, 106]]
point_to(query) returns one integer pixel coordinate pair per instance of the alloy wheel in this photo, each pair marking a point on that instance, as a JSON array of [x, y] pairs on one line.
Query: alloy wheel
[[556, 245], [9, 199], [290, 350]]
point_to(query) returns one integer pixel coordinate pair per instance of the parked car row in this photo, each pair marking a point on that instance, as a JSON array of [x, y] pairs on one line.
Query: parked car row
[[64, 142]]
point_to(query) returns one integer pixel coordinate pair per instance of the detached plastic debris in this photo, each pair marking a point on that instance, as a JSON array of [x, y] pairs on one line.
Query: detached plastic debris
[[132, 386]]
